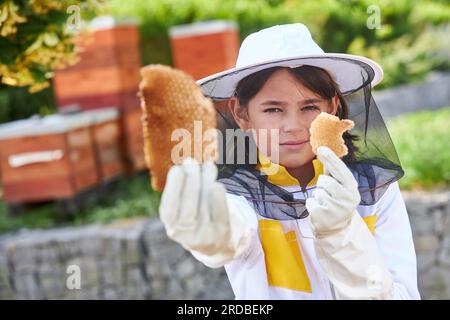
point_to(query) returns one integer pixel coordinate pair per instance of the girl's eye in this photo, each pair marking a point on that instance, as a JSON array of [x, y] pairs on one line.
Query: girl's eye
[[310, 108], [272, 110]]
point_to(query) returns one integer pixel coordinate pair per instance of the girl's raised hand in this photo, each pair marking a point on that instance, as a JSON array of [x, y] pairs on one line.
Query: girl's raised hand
[[336, 197]]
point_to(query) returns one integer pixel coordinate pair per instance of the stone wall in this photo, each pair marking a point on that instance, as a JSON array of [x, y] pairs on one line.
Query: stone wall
[[430, 94], [430, 221], [133, 259]]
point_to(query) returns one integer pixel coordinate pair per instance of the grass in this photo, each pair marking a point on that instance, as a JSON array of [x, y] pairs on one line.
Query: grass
[[422, 140], [131, 197]]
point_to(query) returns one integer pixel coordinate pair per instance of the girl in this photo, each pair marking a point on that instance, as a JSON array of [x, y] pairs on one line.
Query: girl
[[292, 225]]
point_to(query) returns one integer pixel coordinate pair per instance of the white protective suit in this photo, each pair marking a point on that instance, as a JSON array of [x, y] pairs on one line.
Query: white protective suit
[[341, 251]]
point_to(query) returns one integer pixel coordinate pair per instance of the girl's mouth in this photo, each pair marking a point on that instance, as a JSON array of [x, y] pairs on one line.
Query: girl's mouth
[[294, 145]]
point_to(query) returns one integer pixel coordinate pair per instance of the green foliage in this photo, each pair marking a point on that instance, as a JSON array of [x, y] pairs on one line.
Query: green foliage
[[35, 39], [134, 197], [18, 103], [422, 140], [411, 41]]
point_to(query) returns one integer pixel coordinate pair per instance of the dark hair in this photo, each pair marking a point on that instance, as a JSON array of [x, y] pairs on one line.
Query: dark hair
[[316, 79]]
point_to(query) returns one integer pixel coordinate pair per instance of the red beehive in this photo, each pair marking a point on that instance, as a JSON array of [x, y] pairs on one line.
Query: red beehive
[[104, 125], [204, 48], [134, 145], [108, 71], [46, 159], [108, 74]]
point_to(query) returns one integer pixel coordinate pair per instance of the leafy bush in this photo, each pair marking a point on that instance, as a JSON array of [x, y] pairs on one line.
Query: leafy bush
[[133, 197], [422, 140], [18, 103], [34, 41], [36, 38], [411, 41]]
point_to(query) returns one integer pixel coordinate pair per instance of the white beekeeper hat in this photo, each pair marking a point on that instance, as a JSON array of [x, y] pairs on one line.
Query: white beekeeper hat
[[290, 45]]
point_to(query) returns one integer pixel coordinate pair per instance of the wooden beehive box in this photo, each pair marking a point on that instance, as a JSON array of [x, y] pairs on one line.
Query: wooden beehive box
[[108, 74], [108, 71], [105, 133], [46, 159], [204, 48], [133, 140]]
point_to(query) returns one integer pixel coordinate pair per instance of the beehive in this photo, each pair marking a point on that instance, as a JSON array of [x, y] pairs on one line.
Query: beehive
[[46, 158], [203, 48]]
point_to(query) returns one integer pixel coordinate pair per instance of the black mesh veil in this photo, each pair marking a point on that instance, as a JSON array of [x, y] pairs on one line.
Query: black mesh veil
[[375, 164]]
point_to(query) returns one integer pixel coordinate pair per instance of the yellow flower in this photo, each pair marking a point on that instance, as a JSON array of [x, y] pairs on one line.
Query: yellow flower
[[9, 17], [44, 6]]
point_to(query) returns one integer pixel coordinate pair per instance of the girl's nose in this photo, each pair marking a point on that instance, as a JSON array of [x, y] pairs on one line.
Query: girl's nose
[[293, 122]]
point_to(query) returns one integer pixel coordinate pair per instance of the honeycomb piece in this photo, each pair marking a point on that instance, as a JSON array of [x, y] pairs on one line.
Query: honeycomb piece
[[171, 100], [327, 130]]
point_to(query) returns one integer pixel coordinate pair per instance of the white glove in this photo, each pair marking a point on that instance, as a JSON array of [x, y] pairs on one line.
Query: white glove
[[195, 213], [335, 198], [345, 248]]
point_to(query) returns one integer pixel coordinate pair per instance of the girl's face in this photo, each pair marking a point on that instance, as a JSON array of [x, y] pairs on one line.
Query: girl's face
[[285, 104]]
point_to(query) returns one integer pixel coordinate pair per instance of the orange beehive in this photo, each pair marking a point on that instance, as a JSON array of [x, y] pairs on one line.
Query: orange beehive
[[46, 159], [107, 75], [104, 125], [133, 140], [108, 71], [204, 48]]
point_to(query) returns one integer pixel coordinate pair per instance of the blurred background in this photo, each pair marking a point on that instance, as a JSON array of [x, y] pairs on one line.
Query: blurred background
[[74, 190]]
